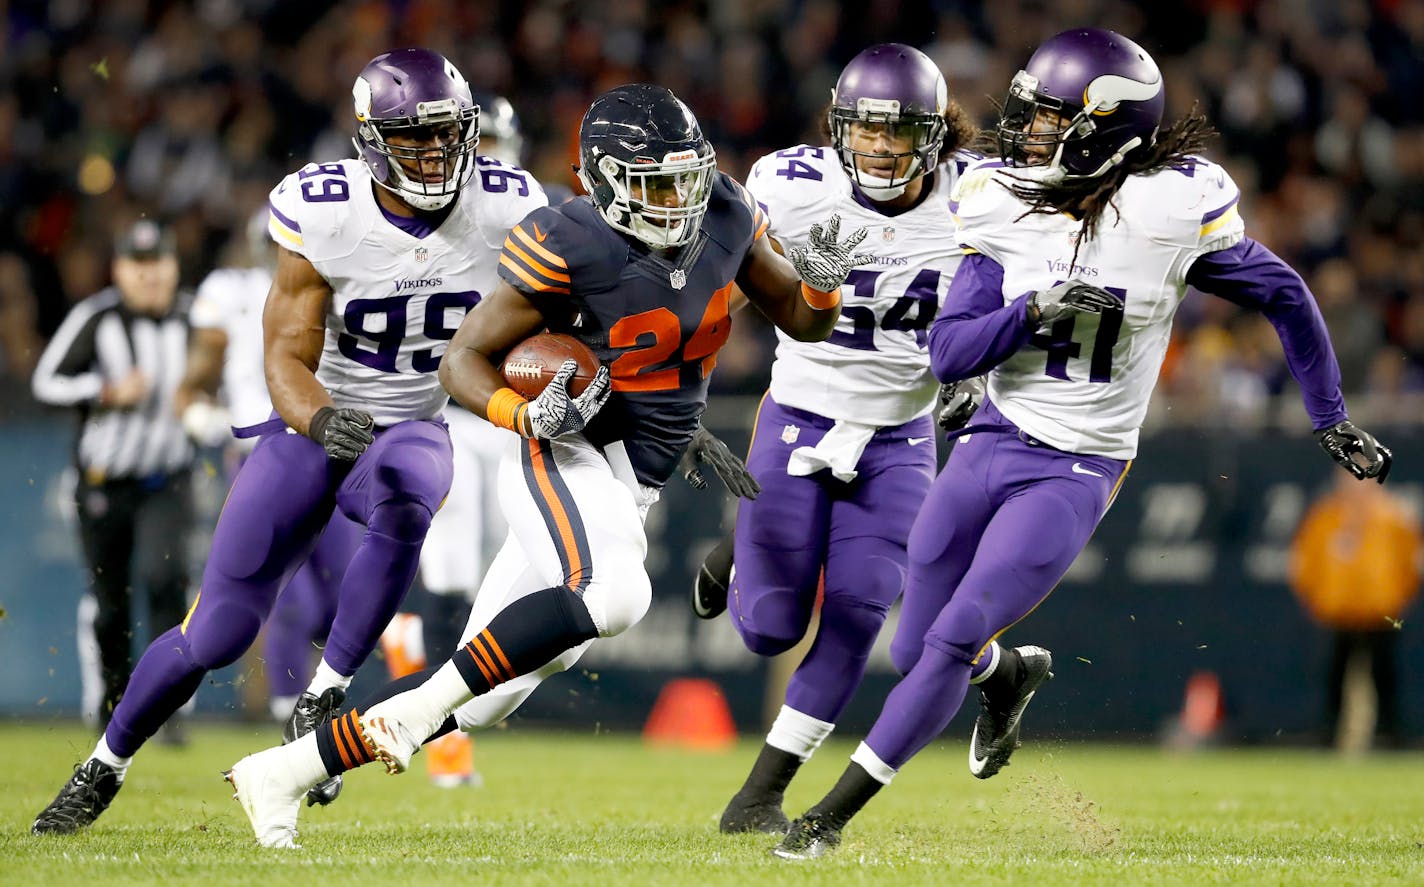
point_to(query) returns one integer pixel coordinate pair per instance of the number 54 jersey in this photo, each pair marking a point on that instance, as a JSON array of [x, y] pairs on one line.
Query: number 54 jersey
[[399, 287], [1084, 384], [874, 367]]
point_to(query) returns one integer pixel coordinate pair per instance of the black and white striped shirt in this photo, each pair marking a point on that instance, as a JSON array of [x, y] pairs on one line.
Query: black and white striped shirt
[[99, 343]]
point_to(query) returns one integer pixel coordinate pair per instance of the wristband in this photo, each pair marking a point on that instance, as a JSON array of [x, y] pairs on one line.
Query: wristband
[[506, 409], [820, 299]]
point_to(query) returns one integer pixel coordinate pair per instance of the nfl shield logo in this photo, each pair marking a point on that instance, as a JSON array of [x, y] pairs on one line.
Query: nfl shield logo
[[789, 434], [678, 279], [887, 234], [421, 254]]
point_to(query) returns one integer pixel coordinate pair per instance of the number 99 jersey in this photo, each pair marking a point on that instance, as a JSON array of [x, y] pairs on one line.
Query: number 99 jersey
[[874, 367], [399, 289], [656, 321], [1084, 384]]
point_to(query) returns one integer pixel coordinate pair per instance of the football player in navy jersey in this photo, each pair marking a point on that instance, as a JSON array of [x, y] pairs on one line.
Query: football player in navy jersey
[[641, 271], [1089, 187], [382, 256]]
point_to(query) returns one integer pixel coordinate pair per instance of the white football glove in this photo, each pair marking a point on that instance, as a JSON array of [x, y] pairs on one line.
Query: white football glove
[[555, 412], [823, 263]]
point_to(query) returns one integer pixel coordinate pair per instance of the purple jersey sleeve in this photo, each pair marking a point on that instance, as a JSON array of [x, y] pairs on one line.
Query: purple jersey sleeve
[[1252, 276], [975, 331]]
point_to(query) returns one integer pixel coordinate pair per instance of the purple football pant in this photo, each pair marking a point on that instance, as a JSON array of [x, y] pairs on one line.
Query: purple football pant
[[276, 509], [856, 531], [1001, 525], [302, 616]]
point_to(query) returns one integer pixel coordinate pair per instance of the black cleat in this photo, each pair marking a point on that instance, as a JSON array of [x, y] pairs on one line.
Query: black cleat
[[810, 837], [709, 589], [996, 730], [87, 794], [311, 712], [746, 813]]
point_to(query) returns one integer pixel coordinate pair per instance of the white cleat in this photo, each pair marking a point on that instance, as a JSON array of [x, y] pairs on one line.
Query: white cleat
[[390, 741], [270, 795]]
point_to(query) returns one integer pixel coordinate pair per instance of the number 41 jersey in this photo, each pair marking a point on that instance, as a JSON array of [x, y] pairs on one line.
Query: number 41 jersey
[[874, 368], [1084, 385], [399, 292]]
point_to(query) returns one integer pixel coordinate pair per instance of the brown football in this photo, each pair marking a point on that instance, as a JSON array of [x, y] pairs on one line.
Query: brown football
[[532, 364]]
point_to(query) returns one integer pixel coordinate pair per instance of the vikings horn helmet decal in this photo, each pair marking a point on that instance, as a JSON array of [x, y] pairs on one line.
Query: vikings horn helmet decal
[[1085, 100], [416, 92]]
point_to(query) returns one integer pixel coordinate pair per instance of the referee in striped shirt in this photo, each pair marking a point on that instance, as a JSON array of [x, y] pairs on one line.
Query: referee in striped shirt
[[119, 357]]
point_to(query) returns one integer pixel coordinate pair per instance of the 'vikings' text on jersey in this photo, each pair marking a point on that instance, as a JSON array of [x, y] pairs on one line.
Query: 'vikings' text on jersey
[[400, 288], [874, 368], [1085, 384]]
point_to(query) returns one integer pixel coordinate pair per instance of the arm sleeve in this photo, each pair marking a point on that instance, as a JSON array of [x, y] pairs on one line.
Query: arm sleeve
[[975, 331], [1252, 276], [65, 374]]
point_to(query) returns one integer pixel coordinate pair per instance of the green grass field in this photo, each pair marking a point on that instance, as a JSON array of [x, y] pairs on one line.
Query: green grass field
[[562, 809]]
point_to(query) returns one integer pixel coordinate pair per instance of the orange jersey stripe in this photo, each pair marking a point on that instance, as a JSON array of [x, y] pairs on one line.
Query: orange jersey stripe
[[547, 254], [566, 538], [524, 276], [533, 264]]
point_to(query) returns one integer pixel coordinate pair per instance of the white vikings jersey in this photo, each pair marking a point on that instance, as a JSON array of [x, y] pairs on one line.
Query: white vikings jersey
[[1084, 384], [397, 298], [231, 300], [874, 368]]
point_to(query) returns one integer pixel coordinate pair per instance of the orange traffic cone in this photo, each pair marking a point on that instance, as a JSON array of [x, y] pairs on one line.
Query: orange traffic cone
[[450, 761], [1203, 710], [691, 713], [403, 645]]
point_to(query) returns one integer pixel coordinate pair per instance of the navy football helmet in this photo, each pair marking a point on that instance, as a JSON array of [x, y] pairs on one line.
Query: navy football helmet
[[416, 91], [500, 136], [896, 86], [1108, 92], [645, 161]]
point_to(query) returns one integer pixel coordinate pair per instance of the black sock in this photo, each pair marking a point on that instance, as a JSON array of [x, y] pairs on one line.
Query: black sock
[[333, 738], [526, 635], [1006, 675], [854, 789], [442, 619], [771, 774], [718, 562]]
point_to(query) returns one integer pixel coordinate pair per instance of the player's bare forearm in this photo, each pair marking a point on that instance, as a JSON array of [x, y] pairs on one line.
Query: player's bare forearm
[[203, 371], [773, 286], [293, 331], [470, 368]]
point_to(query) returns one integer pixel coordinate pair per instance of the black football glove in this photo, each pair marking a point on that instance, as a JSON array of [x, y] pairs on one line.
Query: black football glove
[[1357, 450], [1068, 298], [958, 401], [343, 433], [707, 447]]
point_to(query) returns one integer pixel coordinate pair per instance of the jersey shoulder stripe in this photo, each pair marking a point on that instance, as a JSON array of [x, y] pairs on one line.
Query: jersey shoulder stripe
[[543, 252]]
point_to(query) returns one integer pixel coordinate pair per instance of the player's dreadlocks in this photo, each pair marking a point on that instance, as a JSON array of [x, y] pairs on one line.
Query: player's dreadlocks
[[1087, 199]]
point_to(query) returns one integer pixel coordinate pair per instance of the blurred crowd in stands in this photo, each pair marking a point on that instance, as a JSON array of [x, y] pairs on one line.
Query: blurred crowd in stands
[[191, 111]]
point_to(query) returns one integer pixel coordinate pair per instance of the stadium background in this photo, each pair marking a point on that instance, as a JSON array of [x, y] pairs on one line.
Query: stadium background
[[191, 111]]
